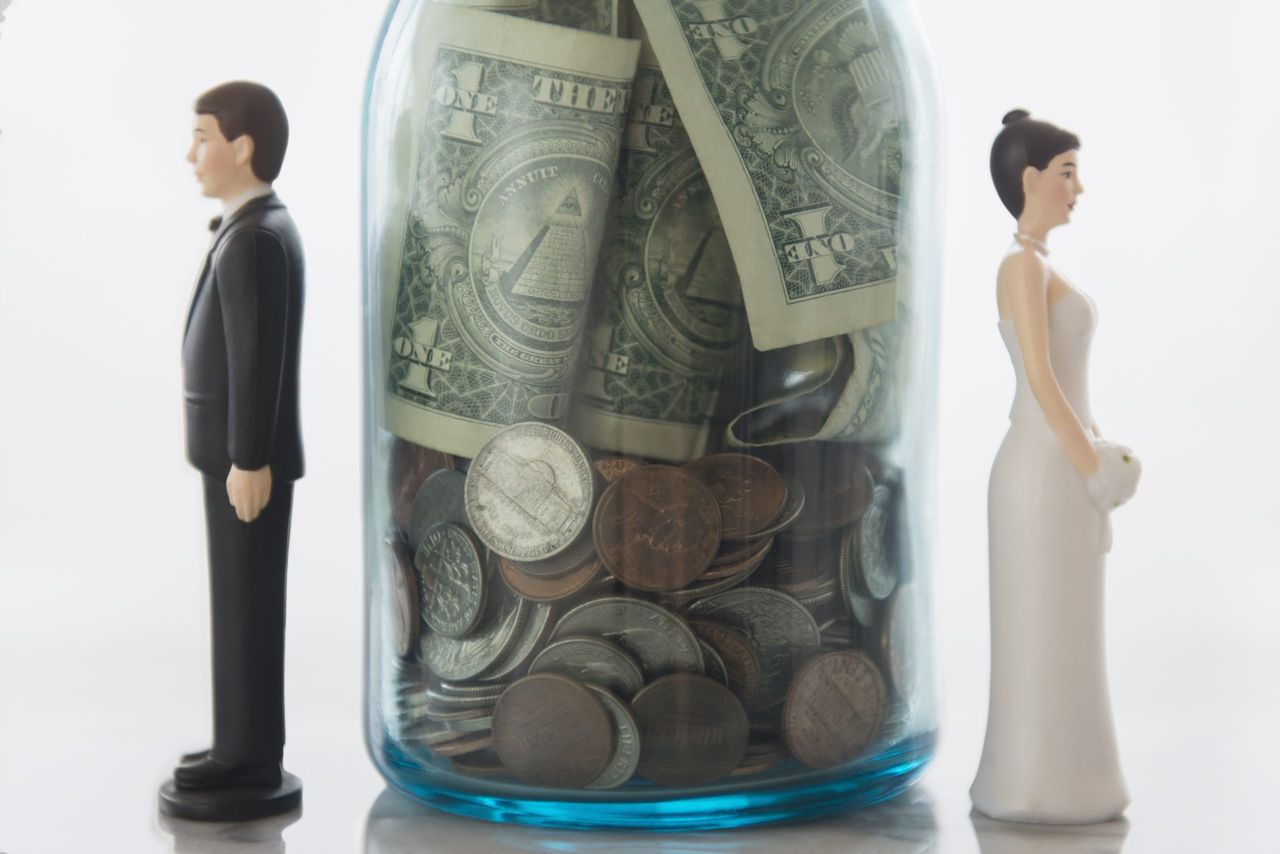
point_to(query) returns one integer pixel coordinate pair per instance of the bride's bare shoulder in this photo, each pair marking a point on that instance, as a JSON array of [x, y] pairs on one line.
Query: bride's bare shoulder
[[1023, 264]]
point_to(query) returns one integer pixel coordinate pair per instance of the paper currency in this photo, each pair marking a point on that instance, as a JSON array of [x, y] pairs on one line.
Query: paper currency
[[508, 145], [791, 106], [596, 16], [667, 310]]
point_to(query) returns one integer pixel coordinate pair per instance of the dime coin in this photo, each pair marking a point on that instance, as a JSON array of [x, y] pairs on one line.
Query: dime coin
[[693, 730], [834, 709], [550, 731], [741, 662], [612, 468], [791, 510], [537, 626], [657, 528], [530, 491], [547, 589], [592, 660], [781, 630], [452, 580], [578, 555], [405, 619], [750, 492], [498, 630], [439, 500], [863, 608], [657, 639], [875, 575], [626, 742], [409, 466]]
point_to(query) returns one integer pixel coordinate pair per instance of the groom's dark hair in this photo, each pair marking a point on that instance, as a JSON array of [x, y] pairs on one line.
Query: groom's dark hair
[[240, 108]]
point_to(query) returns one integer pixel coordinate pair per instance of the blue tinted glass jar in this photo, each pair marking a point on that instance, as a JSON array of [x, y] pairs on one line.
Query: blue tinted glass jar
[[649, 408]]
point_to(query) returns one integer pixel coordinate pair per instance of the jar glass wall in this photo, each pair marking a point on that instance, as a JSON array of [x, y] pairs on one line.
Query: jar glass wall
[[641, 550]]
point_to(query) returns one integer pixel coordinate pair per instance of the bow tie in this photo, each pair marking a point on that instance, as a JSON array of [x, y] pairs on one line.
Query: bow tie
[[215, 223]]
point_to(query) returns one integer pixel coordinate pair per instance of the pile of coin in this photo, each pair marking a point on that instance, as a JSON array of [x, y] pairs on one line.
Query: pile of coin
[[577, 620]]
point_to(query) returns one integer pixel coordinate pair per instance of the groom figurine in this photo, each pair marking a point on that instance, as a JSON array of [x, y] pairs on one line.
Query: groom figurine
[[240, 384]]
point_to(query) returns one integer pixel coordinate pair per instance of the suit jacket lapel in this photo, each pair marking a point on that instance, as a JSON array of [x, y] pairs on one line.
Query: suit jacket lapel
[[214, 242]]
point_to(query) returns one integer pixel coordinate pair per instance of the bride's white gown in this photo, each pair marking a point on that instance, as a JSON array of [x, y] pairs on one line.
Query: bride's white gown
[[1050, 751]]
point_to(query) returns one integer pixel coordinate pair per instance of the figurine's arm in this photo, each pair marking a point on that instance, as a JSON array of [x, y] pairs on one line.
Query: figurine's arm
[[1027, 286], [253, 283]]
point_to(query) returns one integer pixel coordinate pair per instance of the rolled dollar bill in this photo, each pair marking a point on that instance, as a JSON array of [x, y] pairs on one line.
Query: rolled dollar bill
[[792, 108], [596, 16], [506, 151], [667, 311]]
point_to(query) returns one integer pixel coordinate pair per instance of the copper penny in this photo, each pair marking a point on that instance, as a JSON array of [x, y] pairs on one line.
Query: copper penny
[[750, 559], [657, 528], [409, 467], [749, 490], [693, 730], [406, 619], [836, 482], [612, 468], [550, 731], [738, 655], [537, 589], [834, 709]]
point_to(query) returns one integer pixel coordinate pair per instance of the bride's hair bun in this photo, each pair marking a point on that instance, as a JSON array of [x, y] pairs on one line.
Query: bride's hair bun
[[1015, 115]]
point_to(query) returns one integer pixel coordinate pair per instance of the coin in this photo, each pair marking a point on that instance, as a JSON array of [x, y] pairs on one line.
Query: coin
[[592, 660], [484, 763], [899, 647], [657, 639], [405, 620], [612, 468], [750, 492], [836, 482], [547, 589], [497, 631], [781, 630], [578, 555], [741, 662], [657, 528], [875, 576], [439, 500], [761, 756], [452, 580], [791, 510], [537, 626], [626, 742], [463, 746], [863, 608], [751, 559], [550, 731], [408, 467], [530, 491], [693, 730], [834, 709], [714, 663]]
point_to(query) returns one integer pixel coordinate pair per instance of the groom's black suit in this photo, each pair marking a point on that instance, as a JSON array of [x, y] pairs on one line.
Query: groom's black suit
[[240, 385]]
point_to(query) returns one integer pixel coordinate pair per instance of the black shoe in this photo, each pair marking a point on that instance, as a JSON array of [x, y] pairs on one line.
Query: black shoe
[[209, 773], [188, 758]]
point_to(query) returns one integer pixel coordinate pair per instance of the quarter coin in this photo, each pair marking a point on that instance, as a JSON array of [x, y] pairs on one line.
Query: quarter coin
[[550, 731], [530, 491], [592, 660], [657, 639], [493, 638], [657, 528]]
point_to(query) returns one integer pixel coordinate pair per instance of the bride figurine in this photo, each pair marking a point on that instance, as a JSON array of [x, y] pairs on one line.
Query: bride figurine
[[1050, 752]]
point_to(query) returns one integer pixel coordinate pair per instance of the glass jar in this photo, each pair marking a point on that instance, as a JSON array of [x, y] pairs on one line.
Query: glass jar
[[649, 452]]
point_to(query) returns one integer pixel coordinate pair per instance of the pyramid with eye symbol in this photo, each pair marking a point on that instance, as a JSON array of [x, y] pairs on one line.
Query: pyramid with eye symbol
[[554, 264]]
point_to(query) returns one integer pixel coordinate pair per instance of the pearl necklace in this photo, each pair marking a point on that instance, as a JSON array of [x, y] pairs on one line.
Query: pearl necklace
[[1037, 244]]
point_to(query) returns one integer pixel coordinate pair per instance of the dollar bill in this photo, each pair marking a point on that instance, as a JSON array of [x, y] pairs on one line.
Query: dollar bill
[[667, 311], [490, 242], [793, 109], [596, 16]]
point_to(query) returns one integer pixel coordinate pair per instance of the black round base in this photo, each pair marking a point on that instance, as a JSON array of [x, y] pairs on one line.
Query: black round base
[[242, 803]]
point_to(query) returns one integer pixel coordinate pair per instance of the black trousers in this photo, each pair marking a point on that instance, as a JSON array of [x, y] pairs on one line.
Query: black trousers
[[247, 564]]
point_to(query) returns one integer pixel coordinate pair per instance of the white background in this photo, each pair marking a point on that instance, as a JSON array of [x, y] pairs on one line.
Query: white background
[[103, 626]]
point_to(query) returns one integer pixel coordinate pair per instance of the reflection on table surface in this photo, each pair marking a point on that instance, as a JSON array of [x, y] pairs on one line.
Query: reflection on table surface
[[1006, 837], [263, 836], [399, 825]]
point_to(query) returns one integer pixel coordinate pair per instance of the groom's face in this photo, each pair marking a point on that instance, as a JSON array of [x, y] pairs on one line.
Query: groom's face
[[216, 160]]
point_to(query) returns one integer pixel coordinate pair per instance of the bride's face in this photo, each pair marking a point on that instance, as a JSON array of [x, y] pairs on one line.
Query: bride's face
[[1051, 193]]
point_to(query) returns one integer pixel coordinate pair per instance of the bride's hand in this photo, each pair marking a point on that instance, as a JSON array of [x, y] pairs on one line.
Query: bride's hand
[[1116, 479]]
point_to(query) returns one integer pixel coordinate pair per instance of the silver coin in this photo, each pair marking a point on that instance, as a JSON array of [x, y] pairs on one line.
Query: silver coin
[[530, 492], [439, 499], [875, 575], [863, 608], [715, 664], [463, 689], [782, 631], [626, 742], [660, 642], [899, 645], [792, 507], [536, 628], [498, 630], [576, 556], [451, 578], [709, 588], [592, 661]]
